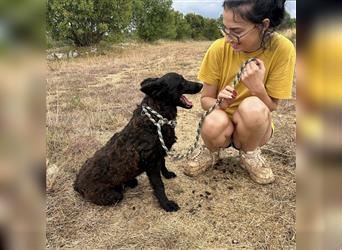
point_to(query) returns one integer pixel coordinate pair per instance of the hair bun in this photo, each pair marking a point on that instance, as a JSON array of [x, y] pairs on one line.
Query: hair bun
[[278, 12]]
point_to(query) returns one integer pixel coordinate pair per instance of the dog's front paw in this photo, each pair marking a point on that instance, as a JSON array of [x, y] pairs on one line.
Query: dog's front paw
[[170, 206], [169, 175]]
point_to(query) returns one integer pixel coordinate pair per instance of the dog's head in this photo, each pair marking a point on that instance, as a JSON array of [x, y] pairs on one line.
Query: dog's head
[[170, 89]]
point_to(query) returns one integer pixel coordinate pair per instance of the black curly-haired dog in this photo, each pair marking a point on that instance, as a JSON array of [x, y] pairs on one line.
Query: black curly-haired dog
[[137, 149]]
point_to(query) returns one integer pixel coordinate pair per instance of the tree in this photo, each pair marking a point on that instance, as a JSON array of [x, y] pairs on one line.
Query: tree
[[211, 29], [183, 29], [153, 19], [287, 22], [197, 25], [85, 22]]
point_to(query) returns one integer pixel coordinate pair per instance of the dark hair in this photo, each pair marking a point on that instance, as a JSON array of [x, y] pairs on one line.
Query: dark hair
[[257, 11]]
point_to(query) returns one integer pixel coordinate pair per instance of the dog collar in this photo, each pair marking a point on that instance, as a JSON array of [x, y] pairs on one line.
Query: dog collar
[[148, 111]]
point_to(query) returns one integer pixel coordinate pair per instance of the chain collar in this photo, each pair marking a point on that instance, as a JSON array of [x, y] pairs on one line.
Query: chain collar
[[148, 111]]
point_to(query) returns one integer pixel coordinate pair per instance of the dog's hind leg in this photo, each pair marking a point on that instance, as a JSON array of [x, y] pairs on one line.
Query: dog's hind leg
[[106, 196], [153, 173], [166, 173]]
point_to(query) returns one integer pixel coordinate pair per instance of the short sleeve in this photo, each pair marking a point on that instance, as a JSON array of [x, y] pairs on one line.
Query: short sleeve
[[211, 64], [280, 78]]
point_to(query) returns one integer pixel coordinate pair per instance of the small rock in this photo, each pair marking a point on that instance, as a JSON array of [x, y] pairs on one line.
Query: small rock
[[235, 241], [51, 176], [230, 188], [75, 54], [208, 193]]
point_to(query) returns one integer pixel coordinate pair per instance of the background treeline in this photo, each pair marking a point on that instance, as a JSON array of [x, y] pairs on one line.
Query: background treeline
[[87, 22]]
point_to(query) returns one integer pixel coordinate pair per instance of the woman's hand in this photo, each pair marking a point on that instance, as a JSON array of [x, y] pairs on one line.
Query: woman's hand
[[253, 77], [227, 97]]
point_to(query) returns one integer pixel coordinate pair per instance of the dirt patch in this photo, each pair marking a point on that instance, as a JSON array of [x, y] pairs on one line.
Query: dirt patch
[[89, 99]]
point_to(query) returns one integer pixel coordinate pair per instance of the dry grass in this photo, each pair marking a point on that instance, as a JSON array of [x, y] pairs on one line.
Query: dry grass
[[88, 99]]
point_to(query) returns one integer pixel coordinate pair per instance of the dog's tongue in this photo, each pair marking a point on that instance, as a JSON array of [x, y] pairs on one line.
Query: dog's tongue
[[186, 101]]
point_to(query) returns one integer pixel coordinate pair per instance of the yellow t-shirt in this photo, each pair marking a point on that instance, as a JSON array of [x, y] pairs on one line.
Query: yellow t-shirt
[[221, 63]]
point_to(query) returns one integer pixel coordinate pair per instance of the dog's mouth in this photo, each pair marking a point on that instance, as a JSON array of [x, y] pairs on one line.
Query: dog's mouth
[[185, 102]]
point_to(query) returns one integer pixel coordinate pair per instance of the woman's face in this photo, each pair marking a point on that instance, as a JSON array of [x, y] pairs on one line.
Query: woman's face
[[248, 33]]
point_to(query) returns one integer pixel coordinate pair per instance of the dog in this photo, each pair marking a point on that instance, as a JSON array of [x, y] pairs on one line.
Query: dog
[[137, 148]]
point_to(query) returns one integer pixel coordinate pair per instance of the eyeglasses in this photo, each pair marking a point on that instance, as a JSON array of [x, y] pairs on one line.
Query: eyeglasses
[[234, 37]]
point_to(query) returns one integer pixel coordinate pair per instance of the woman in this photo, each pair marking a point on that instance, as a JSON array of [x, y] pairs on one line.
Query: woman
[[243, 118]]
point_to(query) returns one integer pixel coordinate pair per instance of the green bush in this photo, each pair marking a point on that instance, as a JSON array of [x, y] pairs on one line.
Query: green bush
[[86, 22], [183, 29], [287, 23], [152, 19]]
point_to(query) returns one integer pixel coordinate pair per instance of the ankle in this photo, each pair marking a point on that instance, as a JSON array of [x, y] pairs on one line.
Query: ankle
[[249, 150]]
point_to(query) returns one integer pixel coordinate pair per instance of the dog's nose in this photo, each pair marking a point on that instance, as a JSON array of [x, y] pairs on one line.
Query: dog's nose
[[193, 87]]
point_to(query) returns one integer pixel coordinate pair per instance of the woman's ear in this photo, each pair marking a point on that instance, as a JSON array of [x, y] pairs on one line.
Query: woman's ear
[[150, 85], [265, 24]]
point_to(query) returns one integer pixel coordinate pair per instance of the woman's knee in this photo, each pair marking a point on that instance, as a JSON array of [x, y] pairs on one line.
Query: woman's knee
[[216, 123], [253, 112]]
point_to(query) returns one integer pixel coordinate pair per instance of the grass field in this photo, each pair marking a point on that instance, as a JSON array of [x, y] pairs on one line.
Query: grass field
[[90, 98]]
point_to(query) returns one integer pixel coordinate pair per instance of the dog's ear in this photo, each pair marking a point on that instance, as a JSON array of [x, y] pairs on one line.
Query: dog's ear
[[151, 86]]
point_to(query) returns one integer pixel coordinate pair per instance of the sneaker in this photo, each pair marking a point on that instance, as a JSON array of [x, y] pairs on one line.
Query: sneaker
[[199, 164], [255, 164]]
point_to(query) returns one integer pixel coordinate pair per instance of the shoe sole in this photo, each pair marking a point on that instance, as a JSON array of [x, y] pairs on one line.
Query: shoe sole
[[262, 181]]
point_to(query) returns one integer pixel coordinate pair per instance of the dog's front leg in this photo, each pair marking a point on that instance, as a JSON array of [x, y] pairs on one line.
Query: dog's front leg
[[166, 173], [157, 184]]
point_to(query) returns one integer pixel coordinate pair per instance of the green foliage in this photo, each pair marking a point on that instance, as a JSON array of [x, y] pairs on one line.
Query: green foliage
[[85, 22], [183, 29], [196, 23], [203, 28], [287, 23], [211, 30], [153, 19]]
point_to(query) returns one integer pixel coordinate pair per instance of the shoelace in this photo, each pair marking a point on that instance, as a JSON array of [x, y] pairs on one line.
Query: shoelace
[[260, 158], [202, 151], [255, 154]]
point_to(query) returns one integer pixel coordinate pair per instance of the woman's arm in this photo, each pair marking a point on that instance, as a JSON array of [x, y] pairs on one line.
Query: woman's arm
[[208, 96], [253, 78], [270, 102]]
